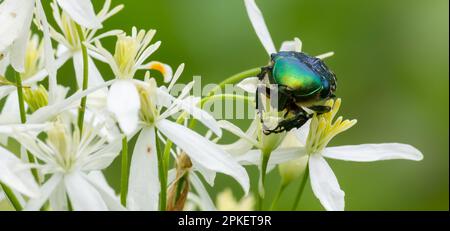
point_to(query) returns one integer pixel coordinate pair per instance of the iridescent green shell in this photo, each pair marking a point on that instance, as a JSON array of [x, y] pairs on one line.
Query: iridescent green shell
[[296, 75]]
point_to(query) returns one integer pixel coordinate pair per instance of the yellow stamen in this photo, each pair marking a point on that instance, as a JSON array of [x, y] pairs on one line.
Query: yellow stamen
[[323, 129]]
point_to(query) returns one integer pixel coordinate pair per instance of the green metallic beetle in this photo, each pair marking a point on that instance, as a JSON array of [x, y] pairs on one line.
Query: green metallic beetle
[[300, 81]]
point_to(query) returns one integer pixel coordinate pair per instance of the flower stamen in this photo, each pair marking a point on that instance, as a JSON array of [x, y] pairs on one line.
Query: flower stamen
[[323, 129]]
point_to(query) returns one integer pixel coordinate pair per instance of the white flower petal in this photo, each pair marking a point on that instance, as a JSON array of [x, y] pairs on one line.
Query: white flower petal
[[238, 132], [144, 186], [164, 98], [6, 90], [249, 85], [110, 33], [209, 175], [294, 45], [193, 201], [190, 106], [15, 16], [176, 76], [10, 112], [82, 195], [19, 50], [325, 185], [104, 157], [242, 145], [290, 141], [97, 180], [30, 142], [50, 63], [4, 63], [17, 175], [259, 25], [4, 140], [206, 202], [58, 198], [46, 190], [82, 12], [123, 101], [252, 157], [373, 152], [147, 52], [102, 119], [239, 147], [96, 55], [61, 49], [204, 152], [95, 77], [302, 132], [185, 92], [278, 156], [96, 99]]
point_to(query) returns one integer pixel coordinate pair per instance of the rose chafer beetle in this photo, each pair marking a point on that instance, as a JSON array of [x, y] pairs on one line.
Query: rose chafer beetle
[[301, 82]]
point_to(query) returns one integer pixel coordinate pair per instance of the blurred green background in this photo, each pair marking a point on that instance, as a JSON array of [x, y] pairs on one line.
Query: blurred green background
[[392, 66]]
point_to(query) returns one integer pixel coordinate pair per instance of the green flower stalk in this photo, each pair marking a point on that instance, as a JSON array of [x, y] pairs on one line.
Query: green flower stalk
[[84, 52]]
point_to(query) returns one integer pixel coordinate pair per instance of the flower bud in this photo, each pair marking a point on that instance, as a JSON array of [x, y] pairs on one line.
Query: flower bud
[[126, 52], [291, 170], [36, 98], [227, 202], [271, 142], [148, 112]]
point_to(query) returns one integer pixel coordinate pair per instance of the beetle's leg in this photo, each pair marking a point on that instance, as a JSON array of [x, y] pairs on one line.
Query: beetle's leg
[[285, 100], [289, 124], [320, 109], [300, 118], [264, 70]]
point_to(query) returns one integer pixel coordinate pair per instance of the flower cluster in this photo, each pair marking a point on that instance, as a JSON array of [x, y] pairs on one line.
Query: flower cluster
[[67, 141]]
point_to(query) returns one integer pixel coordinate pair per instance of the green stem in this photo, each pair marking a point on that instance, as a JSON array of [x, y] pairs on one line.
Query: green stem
[[82, 108], [277, 196], [235, 78], [23, 115], [166, 157], [262, 180], [180, 185], [162, 175], [11, 197], [124, 172], [23, 120], [301, 188]]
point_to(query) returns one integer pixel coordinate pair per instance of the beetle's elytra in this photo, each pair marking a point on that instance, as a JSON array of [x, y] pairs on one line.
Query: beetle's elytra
[[301, 81]]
